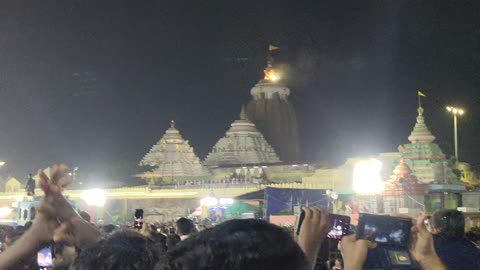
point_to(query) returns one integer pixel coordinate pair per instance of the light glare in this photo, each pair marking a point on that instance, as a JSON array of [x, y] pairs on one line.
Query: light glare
[[366, 177], [209, 201], [5, 211], [94, 197]]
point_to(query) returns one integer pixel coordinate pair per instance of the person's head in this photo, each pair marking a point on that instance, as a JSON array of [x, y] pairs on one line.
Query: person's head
[[30, 175], [449, 224], [85, 216], [120, 250], [109, 228], [185, 226], [238, 244]]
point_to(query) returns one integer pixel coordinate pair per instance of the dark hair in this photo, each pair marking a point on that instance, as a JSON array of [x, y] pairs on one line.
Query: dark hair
[[172, 240], [450, 223], [185, 226], [120, 250], [109, 228], [85, 216], [238, 244]]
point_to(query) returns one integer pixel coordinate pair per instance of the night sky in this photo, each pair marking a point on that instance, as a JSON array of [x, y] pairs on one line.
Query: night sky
[[95, 83]]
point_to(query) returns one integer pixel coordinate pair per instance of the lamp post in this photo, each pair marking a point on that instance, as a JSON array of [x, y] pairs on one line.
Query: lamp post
[[455, 111]]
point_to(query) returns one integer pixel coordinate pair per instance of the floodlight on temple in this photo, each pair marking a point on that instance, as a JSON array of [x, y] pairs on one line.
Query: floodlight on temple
[[95, 197], [5, 211], [366, 177], [209, 201]]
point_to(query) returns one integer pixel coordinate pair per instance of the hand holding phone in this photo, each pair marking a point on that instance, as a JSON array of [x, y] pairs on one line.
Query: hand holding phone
[[138, 221], [45, 258], [338, 225], [386, 230]]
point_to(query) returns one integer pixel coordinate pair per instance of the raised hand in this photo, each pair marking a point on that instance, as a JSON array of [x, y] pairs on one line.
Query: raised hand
[[313, 231], [354, 252], [422, 248], [53, 187]]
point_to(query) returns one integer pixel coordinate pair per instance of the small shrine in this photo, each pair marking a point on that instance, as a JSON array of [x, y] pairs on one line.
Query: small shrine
[[242, 144], [172, 160], [403, 191]]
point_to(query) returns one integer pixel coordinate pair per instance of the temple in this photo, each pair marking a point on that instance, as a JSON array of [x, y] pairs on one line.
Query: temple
[[424, 157], [274, 115], [172, 159], [242, 144]]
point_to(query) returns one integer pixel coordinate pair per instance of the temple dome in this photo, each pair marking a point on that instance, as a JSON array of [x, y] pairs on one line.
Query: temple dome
[[172, 156], [420, 132], [242, 144], [267, 89]]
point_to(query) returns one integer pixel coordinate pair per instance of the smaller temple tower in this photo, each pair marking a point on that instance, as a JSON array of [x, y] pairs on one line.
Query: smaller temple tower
[[172, 158], [242, 144], [424, 157]]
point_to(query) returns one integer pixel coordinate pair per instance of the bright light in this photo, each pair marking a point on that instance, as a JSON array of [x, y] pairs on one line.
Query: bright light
[[209, 201], [19, 198], [94, 197], [224, 201], [366, 177], [2, 163], [5, 211], [455, 110]]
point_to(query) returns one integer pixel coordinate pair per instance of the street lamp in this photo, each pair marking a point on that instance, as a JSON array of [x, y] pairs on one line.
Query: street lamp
[[455, 111]]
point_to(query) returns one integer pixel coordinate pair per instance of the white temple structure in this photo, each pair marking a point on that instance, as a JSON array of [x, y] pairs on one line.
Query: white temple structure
[[242, 144], [172, 157]]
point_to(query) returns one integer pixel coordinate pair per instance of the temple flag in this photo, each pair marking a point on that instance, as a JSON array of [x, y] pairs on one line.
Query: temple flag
[[272, 48], [421, 94]]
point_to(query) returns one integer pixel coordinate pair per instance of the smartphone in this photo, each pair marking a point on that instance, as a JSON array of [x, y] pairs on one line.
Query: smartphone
[[387, 230], [45, 258], [428, 224], [340, 225], [138, 222]]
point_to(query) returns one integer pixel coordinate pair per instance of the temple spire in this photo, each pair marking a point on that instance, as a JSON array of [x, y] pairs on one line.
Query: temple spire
[[243, 114], [172, 124], [420, 132]]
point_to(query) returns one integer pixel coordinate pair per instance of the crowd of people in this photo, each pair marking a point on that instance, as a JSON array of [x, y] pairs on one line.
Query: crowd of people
[[235, 244]]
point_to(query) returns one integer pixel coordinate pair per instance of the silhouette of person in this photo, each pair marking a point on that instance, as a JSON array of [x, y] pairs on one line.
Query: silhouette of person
[[30, 186]]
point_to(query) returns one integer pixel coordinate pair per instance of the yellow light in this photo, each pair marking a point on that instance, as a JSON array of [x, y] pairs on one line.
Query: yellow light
[[5, 211], [366, 177], [271, 75], [94, 197], [455, 110]]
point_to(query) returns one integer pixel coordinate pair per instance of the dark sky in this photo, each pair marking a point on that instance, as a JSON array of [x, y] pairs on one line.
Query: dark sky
[[95, 83]]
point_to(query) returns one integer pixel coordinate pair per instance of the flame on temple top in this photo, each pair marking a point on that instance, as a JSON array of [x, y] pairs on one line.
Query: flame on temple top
[[271, 75]]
